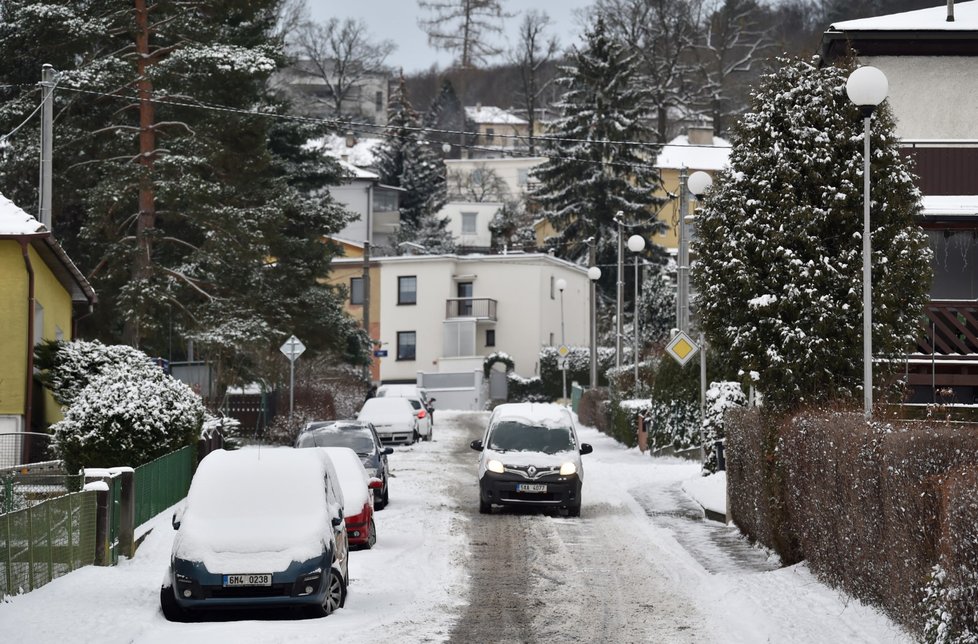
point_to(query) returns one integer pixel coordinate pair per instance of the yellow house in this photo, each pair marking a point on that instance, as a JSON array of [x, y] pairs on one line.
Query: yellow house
[[41, 294]]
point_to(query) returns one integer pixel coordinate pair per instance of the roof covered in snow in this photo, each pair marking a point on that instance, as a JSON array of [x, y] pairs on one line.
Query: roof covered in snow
[[679, 153], [490, 114], [360, 154], [950, 206], [932, 19], [15, 221]]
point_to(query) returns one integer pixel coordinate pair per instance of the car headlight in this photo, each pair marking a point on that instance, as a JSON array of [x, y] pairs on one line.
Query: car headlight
[[568, 468], [495, 466]]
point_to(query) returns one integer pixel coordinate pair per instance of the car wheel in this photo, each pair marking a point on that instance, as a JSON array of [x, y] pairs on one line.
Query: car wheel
[[371, 534], [335, 595], [484, 507], [417, 437], [168, 604], [574, 510]]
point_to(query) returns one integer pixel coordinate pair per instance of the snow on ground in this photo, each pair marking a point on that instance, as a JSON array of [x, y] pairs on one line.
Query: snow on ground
[[412, 585]]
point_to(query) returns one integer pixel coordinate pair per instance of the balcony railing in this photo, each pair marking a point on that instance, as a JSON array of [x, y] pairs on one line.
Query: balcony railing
[[950, 328], [481, 308]]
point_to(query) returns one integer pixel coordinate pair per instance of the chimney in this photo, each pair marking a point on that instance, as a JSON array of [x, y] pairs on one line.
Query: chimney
[[700, 135], [950, 10]]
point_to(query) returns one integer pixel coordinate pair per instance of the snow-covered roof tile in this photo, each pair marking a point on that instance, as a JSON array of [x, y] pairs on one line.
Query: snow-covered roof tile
[[678, 153], [15, 221], [357, 172], [360, 154], [492, 114], [932, 19]]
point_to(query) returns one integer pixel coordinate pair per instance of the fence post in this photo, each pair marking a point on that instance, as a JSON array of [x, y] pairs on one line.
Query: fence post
[[127, 513], [103, 515]]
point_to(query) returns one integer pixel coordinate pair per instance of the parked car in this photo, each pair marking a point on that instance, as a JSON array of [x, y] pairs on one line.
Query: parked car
[[358, 507], [361, 437], [412, 392], [260, 527], [531, 456], [393, 418]]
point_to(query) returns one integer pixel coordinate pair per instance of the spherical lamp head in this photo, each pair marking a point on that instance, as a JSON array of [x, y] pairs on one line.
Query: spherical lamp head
[[867, 87], [594, 273], [561, 284], [446, 147], [636, 243], [699, 182]]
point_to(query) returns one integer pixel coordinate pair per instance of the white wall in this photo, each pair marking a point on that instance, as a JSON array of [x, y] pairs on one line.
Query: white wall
[[932, 97], [508, 169], [353, 197], [453, 211]]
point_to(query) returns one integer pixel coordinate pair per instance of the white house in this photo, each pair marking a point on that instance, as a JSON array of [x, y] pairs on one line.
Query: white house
[[473, 174], [499, 131], [468, 222], [445, 313]]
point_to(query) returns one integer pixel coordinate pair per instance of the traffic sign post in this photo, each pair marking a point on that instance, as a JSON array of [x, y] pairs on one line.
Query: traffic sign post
[[292, 349]]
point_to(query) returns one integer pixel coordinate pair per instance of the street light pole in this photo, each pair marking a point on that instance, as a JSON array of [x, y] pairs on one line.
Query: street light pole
[[867, 87], [594, 274], [561, 285], [681, 259], [636, 244], [620, 289]]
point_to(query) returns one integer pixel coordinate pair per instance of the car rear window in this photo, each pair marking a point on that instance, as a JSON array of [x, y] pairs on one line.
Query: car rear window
[[522, 437], [360, 441]]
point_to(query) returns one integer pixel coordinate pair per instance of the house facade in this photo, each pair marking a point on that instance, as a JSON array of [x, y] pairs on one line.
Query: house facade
[[930, 57], [306, 85], [498, 132], [41, 295], [445, 313], [377, 206]]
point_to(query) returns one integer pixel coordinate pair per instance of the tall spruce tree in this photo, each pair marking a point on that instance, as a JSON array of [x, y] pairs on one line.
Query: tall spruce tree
[[779, 268], [405, 159], [229, 252], [599, 163]]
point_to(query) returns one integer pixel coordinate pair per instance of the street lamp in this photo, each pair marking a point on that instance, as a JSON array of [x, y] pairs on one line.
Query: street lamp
[[699, 182], [561, 285], [594, 274], [867, 88], [636, 244], [620, 288]]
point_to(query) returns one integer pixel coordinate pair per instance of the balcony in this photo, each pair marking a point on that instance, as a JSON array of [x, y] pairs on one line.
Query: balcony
[[480, 308], [951, 329]]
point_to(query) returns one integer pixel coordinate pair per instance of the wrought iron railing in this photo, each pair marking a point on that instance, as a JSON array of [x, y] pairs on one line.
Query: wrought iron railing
[[950, 328], [471, 307]]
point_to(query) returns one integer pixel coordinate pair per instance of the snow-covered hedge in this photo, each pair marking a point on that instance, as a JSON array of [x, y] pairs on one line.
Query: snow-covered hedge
[[121, 409]]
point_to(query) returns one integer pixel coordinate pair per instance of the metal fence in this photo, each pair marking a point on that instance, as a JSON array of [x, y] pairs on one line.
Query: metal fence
[[44, 541], [161, 483]]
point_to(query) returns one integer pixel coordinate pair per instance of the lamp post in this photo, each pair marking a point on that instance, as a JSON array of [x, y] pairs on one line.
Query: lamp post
[[636, 244], [594, 274], [698, 183], [867, 87], [620, 288], [561, 285]]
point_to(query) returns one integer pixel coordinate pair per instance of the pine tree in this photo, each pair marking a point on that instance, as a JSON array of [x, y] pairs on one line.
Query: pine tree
[[233, 255], [779, 248], [598, 163], [657, 306]]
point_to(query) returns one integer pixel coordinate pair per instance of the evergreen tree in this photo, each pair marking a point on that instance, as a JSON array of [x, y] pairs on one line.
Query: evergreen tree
[[406, 160], [229, 251], [446, 114], [597, 165], [779, 248], [657, 306]]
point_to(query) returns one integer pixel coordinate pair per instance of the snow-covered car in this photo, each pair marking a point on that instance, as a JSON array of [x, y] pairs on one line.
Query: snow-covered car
[[393, 418], [260, 527], [358, 507], [530, 456], [424, 407], [361, 437]]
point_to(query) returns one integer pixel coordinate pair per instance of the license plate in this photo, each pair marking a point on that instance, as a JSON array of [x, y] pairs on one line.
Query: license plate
[[260, 579], [531, 487]]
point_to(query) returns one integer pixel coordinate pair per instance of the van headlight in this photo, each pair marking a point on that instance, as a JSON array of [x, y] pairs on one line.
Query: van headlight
[[568, 468], [495, 466]]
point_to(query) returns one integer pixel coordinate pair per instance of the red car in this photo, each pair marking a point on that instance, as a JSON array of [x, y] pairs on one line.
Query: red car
[[358, 496]]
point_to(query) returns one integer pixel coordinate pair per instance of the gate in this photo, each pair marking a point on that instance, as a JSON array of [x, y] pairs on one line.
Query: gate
[[498, 385]]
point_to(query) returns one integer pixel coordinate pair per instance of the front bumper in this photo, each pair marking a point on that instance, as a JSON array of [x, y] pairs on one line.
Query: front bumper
[[502, 489], [396, 438], [196, 588]]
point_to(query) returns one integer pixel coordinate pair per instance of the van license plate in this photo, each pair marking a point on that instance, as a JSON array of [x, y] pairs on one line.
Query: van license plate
[[530, 487], [262, 579]]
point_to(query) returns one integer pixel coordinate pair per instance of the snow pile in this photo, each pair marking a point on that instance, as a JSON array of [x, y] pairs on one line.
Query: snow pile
[[353, 478], [15, 221]]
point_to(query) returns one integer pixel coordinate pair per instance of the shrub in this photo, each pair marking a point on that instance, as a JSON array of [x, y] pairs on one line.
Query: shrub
[[591, 410], [720, 397]]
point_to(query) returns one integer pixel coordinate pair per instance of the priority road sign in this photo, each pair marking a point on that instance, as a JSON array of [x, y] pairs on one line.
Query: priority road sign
[[682, 348]]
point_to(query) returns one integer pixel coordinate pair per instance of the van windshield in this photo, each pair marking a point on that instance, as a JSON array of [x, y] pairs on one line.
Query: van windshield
[[521, 437]]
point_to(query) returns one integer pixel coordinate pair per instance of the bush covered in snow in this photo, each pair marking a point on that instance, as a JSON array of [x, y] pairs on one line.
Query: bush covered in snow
[[779, 242], [121, 409], [720, 397]]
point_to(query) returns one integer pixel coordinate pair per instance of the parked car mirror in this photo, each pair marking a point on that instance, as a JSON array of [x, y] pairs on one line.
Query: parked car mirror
[[431, 400], [178, 516], [388, 450], [586, 449], [476, 445]]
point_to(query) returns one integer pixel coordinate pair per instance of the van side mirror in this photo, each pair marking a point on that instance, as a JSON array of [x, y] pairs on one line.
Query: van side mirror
[[586, 449], [388, 450], [476, 445]]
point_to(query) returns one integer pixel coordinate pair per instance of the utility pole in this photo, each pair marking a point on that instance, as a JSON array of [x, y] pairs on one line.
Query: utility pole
[[620, 290], [592, 258], [47, 135], [682, 268], [366, 307]]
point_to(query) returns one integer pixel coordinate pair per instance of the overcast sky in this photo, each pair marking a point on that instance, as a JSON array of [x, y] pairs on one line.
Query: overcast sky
[[397, 20]]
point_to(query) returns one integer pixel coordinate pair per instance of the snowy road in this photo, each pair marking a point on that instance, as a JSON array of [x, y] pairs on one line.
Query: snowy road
[[638, 566]]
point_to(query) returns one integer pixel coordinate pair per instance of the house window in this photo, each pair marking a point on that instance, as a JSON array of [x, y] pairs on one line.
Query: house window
[[469, 220], [551, 339], [490, 337], [464, 293], [407, 343], [38, 322], [356, 290], [379, 101], [407, 289], [552, 290], [59, 334], [522, 176], [490, 134]]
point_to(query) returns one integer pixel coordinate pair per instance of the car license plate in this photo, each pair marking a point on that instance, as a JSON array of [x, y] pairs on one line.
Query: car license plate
[[260, 579], [531, 487]]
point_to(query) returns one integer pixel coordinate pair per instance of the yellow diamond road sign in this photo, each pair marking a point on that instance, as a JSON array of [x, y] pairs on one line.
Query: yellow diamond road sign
[[682, 348], [563, 350]]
